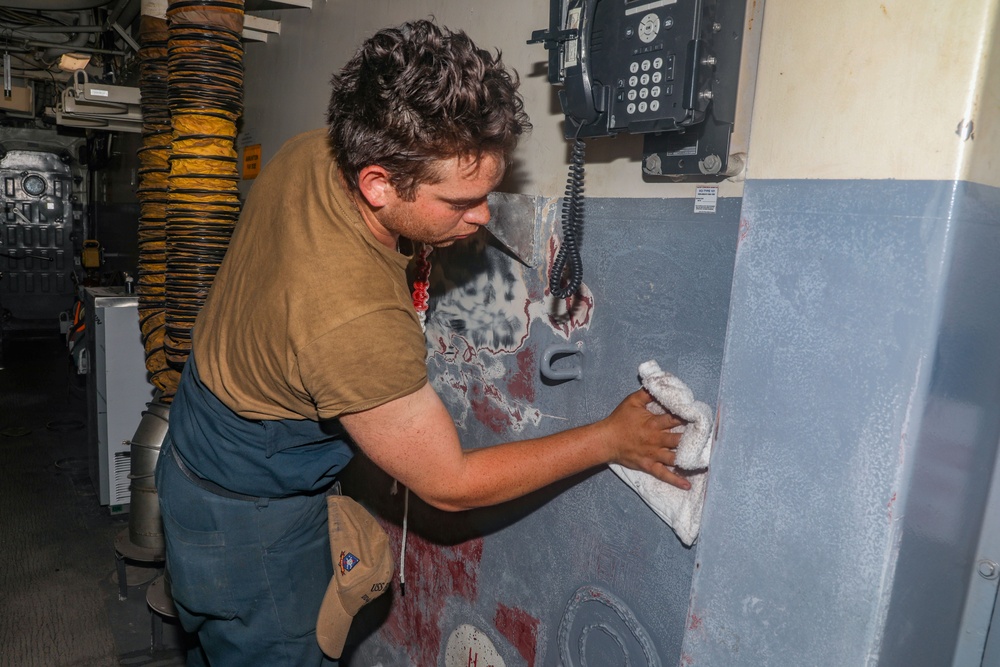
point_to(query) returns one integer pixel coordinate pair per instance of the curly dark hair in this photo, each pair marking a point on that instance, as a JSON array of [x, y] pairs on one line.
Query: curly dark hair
[[419, 93]]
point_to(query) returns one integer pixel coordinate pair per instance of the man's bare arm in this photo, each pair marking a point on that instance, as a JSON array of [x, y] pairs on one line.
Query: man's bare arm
[[414, 439]]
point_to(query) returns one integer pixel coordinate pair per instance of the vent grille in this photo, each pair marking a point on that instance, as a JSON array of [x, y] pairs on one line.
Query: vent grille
[[120, 492]]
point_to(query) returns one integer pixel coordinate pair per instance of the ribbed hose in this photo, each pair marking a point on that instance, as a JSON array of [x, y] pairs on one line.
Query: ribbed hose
[[154, 168], [205, 94], [191, 85]]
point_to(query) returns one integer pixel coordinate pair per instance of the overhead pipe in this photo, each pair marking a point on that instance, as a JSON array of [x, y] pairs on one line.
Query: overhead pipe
[[75, 49], [58, 28], [78, 42], [53, 5], [118, 12]]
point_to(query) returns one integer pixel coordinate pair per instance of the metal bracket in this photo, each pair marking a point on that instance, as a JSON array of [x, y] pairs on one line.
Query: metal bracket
[[559, 375], [551, 39]]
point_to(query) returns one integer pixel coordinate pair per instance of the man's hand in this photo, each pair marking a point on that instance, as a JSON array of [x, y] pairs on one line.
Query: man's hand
[[642, 440]]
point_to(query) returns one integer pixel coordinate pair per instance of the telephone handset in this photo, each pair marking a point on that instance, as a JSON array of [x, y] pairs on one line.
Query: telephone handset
[[665, 68], [577, 96]]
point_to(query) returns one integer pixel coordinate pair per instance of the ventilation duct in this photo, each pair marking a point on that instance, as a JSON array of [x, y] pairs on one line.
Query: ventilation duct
[[154, 168], [191, 77], [205, 94]]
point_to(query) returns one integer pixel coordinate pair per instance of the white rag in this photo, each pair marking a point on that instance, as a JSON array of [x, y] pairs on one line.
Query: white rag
[[680, 509]]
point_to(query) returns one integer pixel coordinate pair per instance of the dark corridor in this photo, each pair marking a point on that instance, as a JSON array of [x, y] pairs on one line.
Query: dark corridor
[[59, 601]]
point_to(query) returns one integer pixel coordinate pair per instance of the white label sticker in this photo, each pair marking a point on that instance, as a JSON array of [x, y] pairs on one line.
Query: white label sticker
[[705, 199], [570, 51], [50, 205], [97, 92]]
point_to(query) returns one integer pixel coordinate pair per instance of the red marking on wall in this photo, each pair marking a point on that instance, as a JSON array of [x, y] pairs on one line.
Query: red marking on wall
[[686, 660], [744, 229], [522, 382], [694, 623], [582, 305], [521, 630], [434, 573], [486, 411], [492, 392], [892, 502]]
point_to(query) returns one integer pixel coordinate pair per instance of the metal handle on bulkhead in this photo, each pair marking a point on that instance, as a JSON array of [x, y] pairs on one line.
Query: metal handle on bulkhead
[[561, 349]]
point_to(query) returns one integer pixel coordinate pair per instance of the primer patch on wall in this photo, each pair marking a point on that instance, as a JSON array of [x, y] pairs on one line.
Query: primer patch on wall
[[468, 646], [598, 628], [482, 309]]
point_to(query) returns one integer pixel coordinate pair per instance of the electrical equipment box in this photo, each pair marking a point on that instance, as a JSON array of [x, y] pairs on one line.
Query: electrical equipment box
[[117, 388]]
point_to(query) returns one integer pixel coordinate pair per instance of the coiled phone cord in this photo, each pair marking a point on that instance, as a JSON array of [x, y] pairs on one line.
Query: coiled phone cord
[[568, 258]]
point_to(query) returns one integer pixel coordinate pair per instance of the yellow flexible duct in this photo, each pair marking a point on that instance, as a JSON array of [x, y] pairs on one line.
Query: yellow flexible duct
[[205, 94]]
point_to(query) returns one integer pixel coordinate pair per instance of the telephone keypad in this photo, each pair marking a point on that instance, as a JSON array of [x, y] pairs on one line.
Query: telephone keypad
[[655, 71]]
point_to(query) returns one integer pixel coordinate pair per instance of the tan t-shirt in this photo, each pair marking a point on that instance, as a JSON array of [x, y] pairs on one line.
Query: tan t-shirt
[[309, 316]]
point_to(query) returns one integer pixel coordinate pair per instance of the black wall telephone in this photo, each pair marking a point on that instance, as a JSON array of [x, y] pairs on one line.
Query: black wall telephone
[[649, 66], [665, 68]]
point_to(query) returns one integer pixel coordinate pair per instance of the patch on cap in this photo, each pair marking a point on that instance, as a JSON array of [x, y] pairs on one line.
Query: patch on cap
[[347, 562]]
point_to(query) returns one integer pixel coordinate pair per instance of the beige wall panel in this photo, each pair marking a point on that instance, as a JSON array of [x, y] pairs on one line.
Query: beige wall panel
[[868, 89], [287, 87], [983, 165]]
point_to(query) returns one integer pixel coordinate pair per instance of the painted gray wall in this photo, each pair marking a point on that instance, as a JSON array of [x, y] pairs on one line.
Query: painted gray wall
[[858, 425], [955, 450], [660, 278]]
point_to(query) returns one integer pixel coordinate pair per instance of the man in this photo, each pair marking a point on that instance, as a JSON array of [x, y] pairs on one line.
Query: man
[[309, 337]]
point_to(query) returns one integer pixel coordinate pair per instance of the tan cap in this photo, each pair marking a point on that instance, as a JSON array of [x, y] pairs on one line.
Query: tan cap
[[362, 570]]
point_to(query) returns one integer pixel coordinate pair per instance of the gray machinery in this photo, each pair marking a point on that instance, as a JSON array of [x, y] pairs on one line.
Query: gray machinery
[[42, 226]]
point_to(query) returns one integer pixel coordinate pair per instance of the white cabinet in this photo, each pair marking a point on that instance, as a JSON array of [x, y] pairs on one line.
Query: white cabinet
[[117, 388]]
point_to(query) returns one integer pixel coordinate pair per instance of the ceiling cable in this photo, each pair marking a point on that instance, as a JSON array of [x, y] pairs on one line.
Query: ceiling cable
[[8, 86]]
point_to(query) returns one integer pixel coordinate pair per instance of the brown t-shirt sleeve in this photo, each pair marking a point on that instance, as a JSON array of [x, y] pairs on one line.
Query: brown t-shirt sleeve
[[364, 363]]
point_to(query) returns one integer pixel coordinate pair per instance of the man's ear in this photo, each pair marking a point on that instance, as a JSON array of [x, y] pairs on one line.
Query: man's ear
[[375, 186]]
